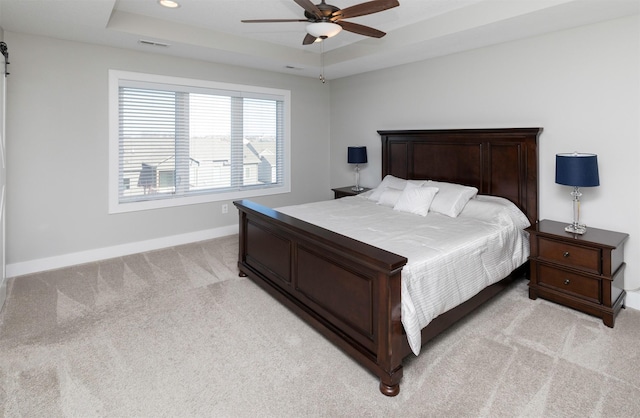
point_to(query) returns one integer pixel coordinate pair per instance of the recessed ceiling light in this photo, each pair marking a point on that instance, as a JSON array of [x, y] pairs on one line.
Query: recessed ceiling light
[[169, 3]]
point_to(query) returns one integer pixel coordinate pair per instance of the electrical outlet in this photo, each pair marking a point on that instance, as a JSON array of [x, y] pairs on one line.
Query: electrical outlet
[[225, 208]]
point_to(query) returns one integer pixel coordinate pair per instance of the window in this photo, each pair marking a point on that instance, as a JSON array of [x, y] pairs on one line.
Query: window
[[176, 141]]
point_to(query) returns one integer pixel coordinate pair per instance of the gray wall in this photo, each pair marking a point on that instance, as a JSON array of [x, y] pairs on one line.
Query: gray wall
[[57, 130], [581, 85]]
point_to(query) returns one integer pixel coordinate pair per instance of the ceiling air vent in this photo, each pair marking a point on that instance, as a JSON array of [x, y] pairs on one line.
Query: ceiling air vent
[[152, 43]]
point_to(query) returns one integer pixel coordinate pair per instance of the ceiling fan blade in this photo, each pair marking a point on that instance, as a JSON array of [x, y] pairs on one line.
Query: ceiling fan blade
[[273, 20], [310, 7], [309, 39], [366, 8], [361, 29]]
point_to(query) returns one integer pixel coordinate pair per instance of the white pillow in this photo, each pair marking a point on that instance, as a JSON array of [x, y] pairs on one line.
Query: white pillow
[[392, 182], [451, 198], [486, 206], [416, 199], [389, 197], [387, 181]]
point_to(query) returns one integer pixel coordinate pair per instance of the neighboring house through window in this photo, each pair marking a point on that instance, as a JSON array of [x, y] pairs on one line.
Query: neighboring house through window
[[177, 141]]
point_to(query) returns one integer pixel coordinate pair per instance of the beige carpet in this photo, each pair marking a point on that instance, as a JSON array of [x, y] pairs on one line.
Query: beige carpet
[[177, 333]]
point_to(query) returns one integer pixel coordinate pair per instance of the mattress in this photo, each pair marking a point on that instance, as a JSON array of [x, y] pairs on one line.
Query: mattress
[[449, 259]]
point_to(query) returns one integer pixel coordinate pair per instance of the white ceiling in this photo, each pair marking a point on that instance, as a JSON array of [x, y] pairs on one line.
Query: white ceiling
[[211, 29]]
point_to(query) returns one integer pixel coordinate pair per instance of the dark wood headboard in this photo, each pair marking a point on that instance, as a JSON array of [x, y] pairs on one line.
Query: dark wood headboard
[[500, 162]]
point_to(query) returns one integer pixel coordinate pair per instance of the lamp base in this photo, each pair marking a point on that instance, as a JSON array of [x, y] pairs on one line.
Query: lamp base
[[357, 188], [576, 229]]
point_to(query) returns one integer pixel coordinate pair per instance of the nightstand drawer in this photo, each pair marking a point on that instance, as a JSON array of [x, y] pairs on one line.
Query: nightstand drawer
[[587, 259], [566, 282]]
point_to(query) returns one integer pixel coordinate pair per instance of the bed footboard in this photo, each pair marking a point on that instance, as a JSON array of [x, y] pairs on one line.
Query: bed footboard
[[348, 290]]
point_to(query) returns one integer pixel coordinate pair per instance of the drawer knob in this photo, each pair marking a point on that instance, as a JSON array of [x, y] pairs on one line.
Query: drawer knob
[[566, 281], [566, 254]]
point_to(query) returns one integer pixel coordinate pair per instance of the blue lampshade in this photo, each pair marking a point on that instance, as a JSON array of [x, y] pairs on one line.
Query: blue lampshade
[[577, 169], [357, 155]]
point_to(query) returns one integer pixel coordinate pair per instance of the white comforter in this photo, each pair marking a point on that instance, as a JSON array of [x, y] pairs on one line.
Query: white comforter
[[449, 259]]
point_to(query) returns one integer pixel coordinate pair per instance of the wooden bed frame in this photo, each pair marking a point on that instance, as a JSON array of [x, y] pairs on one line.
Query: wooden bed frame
[[350, 291]]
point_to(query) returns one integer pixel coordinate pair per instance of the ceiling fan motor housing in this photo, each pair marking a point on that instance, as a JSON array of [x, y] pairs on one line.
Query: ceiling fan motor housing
[[327, 12]]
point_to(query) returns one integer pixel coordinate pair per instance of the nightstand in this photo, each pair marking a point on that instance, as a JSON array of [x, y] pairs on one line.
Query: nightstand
[[346, 191], [584, 272]]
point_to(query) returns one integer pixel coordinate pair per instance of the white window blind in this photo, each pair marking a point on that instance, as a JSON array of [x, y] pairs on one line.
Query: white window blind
[[184, 141]]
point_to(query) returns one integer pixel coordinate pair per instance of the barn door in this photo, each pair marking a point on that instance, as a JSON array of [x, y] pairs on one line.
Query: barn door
[[3, 170]]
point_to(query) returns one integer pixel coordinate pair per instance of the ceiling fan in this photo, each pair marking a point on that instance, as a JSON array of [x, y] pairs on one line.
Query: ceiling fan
[[325, 20]]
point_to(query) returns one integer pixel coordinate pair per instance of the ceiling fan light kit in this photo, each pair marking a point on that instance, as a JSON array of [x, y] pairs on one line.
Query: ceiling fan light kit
[[323, 30]]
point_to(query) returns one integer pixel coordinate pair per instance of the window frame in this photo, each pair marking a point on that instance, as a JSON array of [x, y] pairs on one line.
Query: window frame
[[118, 76]]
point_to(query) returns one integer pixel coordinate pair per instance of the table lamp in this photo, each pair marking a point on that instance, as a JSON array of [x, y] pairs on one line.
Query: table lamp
[[357, 156], [577, 170]]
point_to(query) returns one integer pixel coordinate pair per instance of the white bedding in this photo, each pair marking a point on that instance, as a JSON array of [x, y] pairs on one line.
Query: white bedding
[[449, 259]]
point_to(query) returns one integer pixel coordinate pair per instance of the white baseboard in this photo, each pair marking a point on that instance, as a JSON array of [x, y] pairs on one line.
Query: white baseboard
[[3, 291], [72, 259], [632, 300]]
